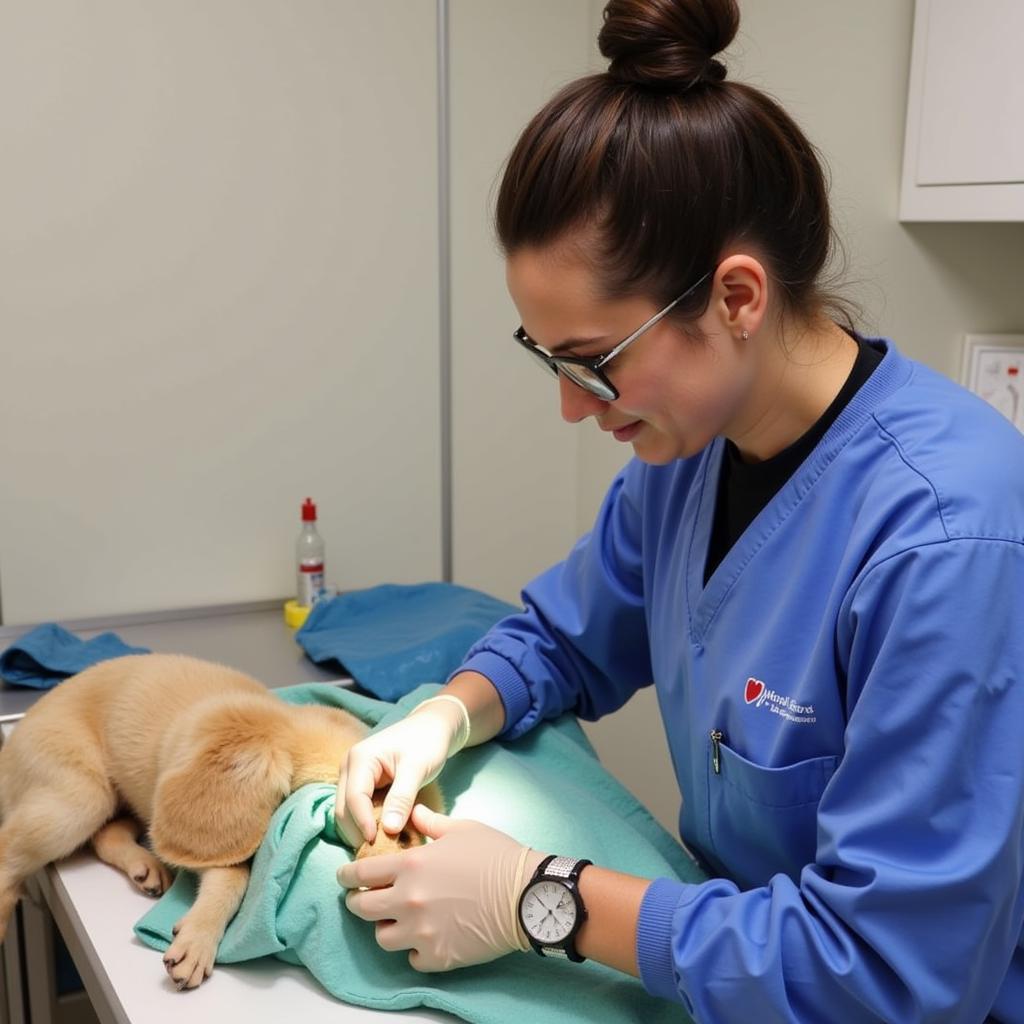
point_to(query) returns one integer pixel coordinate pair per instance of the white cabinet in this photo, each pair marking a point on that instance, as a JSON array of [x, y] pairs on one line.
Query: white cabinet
[[964, 153]]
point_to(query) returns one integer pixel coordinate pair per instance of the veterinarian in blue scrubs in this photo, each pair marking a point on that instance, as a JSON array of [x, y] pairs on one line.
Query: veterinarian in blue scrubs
[[816, 558]]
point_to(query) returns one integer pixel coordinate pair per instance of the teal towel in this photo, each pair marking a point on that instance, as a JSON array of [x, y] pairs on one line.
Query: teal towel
[[547, 789]]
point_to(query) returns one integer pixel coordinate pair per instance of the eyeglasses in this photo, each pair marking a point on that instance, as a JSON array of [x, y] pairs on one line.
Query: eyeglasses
[[588, 372]]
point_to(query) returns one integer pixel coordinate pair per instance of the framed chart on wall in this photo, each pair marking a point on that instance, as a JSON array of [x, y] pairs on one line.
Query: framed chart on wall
[[993, 368]]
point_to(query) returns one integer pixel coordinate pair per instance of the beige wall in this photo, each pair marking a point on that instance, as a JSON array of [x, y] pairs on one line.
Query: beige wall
[[841, 69], [216, 219], [514, 500]]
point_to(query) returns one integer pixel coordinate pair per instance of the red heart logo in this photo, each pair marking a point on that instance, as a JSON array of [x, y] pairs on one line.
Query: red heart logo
[[754, 690]]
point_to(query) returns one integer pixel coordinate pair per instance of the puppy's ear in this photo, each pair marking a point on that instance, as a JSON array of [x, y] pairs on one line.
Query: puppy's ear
[[214, 811]]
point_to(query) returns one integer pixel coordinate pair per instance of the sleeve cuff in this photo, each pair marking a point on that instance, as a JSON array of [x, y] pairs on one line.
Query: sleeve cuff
[[507, 681], [654, 938]]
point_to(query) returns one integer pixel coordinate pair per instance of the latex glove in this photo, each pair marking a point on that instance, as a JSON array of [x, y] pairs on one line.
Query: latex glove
[[409, 754], [453, 902]]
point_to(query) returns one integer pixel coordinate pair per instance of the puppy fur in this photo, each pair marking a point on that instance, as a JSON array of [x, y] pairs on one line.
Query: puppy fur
[[198, 754]]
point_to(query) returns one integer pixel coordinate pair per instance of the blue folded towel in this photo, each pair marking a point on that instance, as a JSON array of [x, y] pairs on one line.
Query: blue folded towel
[[49, 654], [393, 638]]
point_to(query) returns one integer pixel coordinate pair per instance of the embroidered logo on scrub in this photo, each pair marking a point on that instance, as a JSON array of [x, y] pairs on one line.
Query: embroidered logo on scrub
[[759, 695]]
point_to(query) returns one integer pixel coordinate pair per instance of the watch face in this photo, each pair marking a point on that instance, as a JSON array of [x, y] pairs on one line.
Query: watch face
[[548, 912]]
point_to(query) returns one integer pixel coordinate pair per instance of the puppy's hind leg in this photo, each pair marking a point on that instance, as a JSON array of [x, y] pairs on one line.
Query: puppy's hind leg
[[44, 826], [117, 844], [189, 959]]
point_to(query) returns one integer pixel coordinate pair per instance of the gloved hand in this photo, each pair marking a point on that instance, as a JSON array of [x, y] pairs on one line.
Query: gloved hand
[[453, 902], [412, 753]]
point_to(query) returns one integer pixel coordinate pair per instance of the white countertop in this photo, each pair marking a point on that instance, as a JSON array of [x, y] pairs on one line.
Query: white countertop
[[126, 980]]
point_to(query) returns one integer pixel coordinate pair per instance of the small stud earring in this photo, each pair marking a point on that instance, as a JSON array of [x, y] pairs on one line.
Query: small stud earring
[[745, 335]]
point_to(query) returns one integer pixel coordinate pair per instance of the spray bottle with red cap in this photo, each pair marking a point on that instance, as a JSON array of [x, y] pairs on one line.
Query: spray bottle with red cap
[[309, 558]]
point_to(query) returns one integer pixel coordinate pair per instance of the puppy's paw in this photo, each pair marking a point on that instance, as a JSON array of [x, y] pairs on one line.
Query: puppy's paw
[[384, 842], [189, 958], [148, 875]]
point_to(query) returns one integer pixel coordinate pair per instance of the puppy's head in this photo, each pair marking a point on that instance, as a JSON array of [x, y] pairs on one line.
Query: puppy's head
[[224, 778]]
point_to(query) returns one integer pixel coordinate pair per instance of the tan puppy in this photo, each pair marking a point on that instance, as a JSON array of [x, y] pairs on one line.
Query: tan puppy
[[198, 753]]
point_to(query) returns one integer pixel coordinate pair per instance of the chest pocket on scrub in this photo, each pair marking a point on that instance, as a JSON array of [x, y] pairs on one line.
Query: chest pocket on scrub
[[763, 821]]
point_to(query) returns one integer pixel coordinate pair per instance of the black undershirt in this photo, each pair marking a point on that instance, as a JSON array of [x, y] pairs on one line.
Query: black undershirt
[[744, 488]]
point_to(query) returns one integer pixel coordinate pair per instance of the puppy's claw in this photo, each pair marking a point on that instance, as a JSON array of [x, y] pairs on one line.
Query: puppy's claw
[[190, 958], [150, 877]]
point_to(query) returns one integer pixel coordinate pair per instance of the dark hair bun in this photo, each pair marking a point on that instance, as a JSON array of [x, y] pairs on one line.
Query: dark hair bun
[[667, 44]]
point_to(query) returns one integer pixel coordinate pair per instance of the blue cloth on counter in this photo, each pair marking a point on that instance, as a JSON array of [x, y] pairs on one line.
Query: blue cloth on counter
[[547, 790], [393, 638], [48, 654]]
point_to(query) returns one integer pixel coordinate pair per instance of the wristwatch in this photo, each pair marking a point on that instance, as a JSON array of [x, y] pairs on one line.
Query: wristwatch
[[551, 910]]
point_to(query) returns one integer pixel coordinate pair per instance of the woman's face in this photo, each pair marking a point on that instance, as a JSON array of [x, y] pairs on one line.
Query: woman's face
[[675, 393]]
